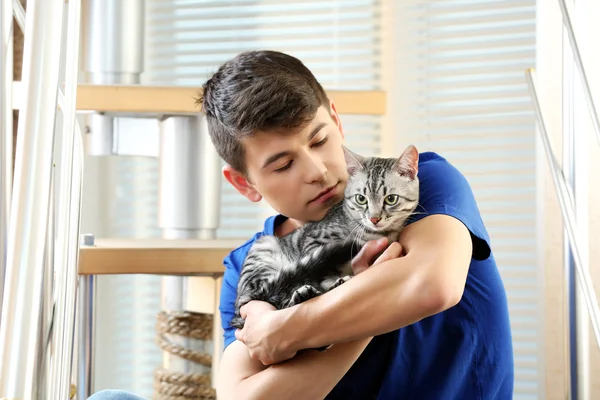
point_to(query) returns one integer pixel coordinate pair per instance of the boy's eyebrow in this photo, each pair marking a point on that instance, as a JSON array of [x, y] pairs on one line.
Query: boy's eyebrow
[[274, 158], [282, 154], [314, 132]]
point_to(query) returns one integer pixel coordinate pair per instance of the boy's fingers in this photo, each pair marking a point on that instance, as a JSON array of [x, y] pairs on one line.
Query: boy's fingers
[[365, 256], [394, 250]]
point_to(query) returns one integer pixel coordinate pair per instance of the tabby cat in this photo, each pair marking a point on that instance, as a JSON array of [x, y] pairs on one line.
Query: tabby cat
[[380, 195]]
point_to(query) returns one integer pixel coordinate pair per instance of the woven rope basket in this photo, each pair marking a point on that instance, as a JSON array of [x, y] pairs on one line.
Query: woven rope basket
[[170, 385]]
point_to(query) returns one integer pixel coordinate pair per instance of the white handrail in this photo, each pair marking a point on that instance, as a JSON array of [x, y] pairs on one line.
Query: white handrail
[[565, 197], [19, 13], [21, 310], [68, 213], [578, 331], [42, 374], [571, 33], [6, 132]]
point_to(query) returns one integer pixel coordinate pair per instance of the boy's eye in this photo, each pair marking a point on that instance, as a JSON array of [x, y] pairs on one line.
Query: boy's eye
[[286, 166], [321, 142], [360, 199]]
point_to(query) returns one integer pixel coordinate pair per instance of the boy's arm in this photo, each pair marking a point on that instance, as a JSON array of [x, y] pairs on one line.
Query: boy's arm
[[446, 234], [310, 374], [430, 278]]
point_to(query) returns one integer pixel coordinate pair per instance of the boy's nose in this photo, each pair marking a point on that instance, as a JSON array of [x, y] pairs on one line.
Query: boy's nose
[[317, 171], [375, 220]]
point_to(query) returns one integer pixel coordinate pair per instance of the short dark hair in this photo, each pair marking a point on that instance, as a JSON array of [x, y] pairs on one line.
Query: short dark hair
[[258, 91]]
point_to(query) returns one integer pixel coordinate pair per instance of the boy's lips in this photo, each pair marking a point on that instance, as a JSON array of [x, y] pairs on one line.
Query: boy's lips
[[325, 195]]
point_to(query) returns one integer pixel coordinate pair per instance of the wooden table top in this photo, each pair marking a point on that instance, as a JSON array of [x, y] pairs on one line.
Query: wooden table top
[[174, 100], [156, 256]]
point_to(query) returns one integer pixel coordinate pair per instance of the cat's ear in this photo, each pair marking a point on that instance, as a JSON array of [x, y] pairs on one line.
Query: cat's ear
[[408, 163], [354, 162]]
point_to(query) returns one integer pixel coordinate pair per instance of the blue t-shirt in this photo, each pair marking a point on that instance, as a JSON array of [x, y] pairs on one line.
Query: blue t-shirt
[[463, 353]]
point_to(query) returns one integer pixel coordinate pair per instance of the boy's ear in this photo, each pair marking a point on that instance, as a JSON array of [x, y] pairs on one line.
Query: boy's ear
[[241, 184], [336, 117]]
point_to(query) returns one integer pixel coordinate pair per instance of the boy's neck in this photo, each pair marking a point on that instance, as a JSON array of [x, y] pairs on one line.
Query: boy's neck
[[287, 227]]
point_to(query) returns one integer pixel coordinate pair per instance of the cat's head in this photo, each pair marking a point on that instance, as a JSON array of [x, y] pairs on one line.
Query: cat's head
[[382, 192]]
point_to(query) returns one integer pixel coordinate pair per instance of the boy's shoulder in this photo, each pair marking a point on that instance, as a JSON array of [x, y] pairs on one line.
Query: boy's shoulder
[[443, 189], [433, 164], [236, 257], [438, 174], [441, 182]]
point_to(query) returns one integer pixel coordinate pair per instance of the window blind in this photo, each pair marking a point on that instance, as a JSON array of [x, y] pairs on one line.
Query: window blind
[[462, 94], [126, 305], [186, 41], [337, 40]]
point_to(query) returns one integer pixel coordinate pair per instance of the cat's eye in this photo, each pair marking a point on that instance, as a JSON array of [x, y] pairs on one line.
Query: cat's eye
[[360, 199], [391, 199]]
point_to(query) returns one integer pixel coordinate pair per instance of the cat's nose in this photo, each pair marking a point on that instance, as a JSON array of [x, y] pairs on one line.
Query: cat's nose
[[375, 220]]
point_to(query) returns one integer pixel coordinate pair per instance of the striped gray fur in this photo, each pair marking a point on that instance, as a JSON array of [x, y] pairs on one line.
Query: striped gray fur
[[316, 257]]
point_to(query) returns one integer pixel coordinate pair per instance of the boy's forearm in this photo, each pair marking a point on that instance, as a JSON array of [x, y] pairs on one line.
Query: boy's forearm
[[309, 375], [382, 299], [429, 279]]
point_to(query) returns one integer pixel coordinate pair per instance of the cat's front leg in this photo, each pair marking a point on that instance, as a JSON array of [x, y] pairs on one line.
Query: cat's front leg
[[340, 281], [332, 283], [237, 322], [302, 294]]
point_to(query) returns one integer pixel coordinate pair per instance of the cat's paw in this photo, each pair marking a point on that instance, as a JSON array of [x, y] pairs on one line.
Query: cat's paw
[[340, 281], [302, 294], [237, 322]]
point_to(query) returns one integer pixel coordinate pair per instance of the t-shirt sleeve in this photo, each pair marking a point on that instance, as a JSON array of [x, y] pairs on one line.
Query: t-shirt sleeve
[[445, 190], [228, 296]]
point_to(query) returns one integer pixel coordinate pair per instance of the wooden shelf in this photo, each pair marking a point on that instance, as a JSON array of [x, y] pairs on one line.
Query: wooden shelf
[[138, 99], [155, 256]]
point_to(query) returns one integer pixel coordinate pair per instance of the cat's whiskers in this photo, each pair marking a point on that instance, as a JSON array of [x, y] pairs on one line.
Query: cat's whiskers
[[359, 235], [405, 214], [419, 205], [414, 212], [349, 237]]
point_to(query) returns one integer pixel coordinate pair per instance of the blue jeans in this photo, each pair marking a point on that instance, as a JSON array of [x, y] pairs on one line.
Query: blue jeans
[[114, 395]]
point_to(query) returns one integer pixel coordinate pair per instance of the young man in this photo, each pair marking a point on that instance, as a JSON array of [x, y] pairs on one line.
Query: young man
[[432, 324]]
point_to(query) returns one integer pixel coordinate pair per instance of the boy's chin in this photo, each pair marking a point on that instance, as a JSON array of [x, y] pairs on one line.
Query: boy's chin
[[308, 214], [303, 216], [314, 215]]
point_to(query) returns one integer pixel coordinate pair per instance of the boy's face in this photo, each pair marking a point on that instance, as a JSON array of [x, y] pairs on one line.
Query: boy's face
[[300, 173]]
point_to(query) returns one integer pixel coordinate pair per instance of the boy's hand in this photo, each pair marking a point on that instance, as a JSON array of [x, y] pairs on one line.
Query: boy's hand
[[262, 333], [373, 248]]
